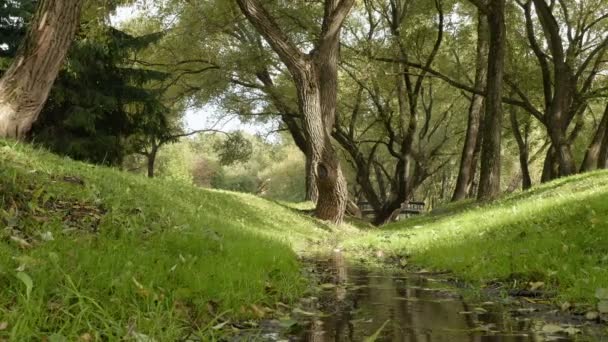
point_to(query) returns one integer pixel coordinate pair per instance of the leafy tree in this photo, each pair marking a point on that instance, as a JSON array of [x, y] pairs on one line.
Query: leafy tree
[[100, 100]]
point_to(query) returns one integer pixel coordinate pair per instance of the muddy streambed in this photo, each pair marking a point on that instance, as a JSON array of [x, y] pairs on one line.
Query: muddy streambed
[[357, 303]]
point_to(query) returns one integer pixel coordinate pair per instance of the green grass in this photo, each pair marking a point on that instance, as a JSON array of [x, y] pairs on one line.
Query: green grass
[[120, 255], [556, 233], [94, 251]]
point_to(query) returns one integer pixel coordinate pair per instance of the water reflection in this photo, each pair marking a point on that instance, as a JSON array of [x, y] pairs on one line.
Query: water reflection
[[417, 309]]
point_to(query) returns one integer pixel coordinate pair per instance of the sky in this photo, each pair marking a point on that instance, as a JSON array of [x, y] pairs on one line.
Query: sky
[[199, 118]]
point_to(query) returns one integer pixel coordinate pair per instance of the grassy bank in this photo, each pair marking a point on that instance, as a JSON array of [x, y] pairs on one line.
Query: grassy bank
[[94, 252], [556, 233]]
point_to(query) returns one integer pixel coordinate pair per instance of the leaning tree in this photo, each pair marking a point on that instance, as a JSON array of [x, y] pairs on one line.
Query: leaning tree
[[25, 86]]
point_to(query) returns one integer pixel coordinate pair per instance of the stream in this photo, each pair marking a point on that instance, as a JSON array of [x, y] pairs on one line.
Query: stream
[[358, 302]]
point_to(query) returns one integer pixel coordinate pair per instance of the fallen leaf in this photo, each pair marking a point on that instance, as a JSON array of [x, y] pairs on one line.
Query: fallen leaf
[[86, 337], [328, 286], [21, 242], [536, 285], [552, 329], [602, 306], [3, 325], [47, 236], [572, 331], [375, 336], [480, 310], [298, 311], [287, 323], [220, 326], [566, 306], [259, 312], [592, 315]]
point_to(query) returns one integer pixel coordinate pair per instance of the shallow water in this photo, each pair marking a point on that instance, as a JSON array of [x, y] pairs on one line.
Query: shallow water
[[358, 302]]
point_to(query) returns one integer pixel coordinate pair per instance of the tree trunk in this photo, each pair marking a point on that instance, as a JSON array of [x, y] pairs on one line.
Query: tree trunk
[[474, 179], [563, 151], [330, 182], [602, 162], [467, 165], [25, 86], [489, 184], [524, 151], [592, 156], [550, 167], [152, 160], [316, 79], [312, 192]]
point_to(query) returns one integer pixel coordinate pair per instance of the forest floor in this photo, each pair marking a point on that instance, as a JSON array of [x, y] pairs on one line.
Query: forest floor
[[94, 253]]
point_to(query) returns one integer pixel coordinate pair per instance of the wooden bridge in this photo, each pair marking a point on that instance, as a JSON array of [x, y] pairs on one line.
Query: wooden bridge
[[408, 209]]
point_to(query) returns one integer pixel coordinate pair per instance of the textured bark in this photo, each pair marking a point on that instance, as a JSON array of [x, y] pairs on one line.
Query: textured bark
[[602, 162], [592, 156], [489, 183], [315, 78], [25, 86], [468, 162], [550, 167], [151, 160], [524, 151]]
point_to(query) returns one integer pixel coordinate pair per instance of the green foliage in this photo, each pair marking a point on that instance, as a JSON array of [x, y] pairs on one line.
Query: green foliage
[[234, 149], [272, 170], [99, 100], [118, 256], [14, 17]]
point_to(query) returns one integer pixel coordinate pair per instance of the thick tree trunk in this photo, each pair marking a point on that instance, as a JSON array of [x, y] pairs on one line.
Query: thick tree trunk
[[468, 164], [524, 151], [312, 192], [550, 167], [592, 156], [331, 184], [489, 183], [25, 86], [315, 77], [563, 150]]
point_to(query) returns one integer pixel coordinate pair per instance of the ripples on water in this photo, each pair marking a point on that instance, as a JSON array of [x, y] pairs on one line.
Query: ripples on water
[[411, 307]]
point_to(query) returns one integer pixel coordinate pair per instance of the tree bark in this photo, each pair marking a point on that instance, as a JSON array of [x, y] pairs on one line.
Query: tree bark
[[315, 78], [592, 156], [468, 162], [524, 151], [151, 160], [602, 163], [489, 184], [550, 167], [25, 86]]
